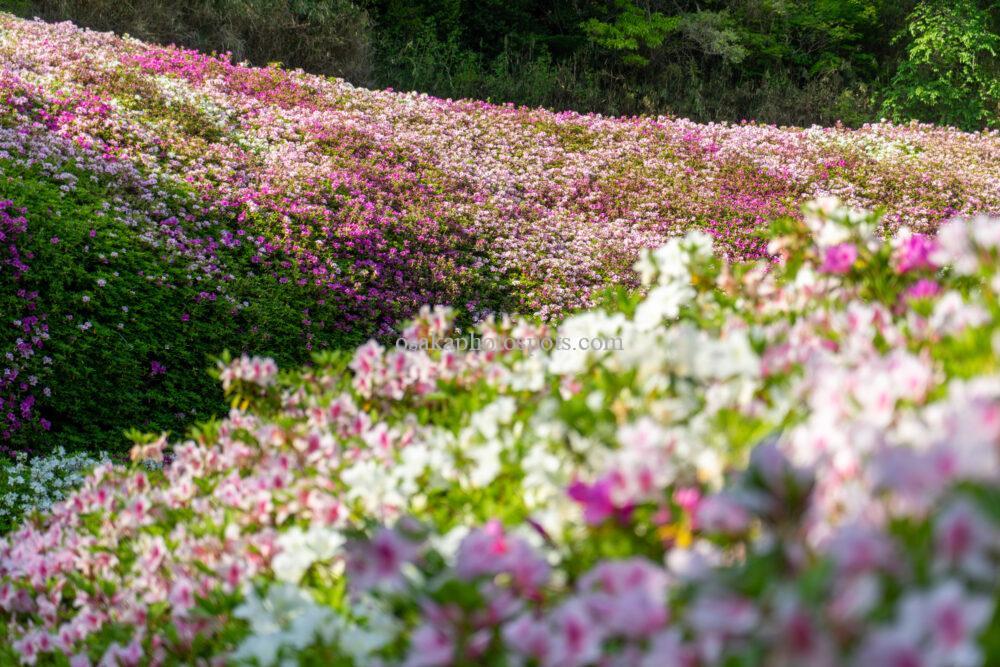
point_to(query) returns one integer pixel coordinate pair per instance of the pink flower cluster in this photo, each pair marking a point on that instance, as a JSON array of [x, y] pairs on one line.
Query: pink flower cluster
[[257, 371], [366, 205], [618, 525]]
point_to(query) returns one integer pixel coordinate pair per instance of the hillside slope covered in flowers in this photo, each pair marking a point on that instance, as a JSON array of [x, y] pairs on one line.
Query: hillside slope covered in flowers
[[791, 462], [158, 205]]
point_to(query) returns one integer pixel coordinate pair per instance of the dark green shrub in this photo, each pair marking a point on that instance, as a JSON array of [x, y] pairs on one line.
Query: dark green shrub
[[132, 330]]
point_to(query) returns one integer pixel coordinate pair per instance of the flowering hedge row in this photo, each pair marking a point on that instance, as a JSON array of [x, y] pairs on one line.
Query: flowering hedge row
[[268, 210], [788, 462]]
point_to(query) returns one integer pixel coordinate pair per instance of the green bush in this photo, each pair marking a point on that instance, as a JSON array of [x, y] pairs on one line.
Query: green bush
[[131, 329], [521, 73]]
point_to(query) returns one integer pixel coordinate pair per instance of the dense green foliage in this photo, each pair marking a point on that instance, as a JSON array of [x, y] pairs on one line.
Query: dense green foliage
[[126, 323], [950, 72], [815, 61]]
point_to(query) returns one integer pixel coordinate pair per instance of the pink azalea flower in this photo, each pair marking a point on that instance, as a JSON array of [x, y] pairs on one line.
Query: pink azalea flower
[[576, 639], [667, 649], [378, 563], [627, 598], [529, 636], [718, 618], [182, 596], [955, 620], [890, 649], [27, 649], [721, 513], [489, 550], [925, 288], [597, 499], [914, 252], [688, 498], [964, 540], [430, 646], [839, 258], [856, 549], [950, 619]]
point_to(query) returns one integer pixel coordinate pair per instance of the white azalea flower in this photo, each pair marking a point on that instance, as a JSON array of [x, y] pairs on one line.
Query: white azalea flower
[[663, 302]]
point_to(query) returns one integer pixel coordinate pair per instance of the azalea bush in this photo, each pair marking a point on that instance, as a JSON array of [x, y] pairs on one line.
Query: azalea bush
[[161, 205], [787, 461], [33, 484]]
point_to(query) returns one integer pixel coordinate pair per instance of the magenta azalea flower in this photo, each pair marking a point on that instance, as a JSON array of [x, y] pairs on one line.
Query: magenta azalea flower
[[839, 258]]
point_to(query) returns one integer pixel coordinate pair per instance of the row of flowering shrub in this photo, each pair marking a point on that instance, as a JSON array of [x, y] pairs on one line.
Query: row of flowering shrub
[[785, 462], [189, 198]]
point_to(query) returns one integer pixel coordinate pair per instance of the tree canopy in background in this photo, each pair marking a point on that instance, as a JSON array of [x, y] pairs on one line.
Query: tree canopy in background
[[949, 74], [801, 62]]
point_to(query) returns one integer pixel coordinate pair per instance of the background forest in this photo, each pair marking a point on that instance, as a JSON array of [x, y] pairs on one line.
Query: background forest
[[778, 61]]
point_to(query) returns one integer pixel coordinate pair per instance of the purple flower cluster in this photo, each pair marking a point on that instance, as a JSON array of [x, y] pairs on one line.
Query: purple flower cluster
[[17, 388]]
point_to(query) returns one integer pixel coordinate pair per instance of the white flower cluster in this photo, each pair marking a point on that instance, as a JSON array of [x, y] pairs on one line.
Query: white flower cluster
[[300, 549], [832, 223], [287, 617], [30, 484], [667, 272]]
